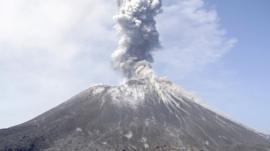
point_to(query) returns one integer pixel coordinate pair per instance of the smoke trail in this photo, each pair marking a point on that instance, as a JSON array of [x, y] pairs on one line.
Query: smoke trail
[[138, 36]]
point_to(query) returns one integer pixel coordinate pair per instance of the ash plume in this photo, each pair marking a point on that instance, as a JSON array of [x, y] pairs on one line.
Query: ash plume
[[139, 37]]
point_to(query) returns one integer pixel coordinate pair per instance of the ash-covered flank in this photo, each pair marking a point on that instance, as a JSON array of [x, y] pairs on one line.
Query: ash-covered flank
[[140, 115]]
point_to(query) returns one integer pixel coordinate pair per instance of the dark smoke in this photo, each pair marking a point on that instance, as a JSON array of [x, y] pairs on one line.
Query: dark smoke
[[138, 36]]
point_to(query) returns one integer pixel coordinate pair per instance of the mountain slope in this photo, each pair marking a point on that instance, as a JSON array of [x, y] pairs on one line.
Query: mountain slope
[[142, 114]]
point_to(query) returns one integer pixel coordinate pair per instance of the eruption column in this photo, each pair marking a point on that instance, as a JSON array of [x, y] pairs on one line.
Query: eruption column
[[138, 36]]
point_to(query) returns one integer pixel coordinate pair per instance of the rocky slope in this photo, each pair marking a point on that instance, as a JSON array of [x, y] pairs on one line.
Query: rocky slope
[[142, 114]]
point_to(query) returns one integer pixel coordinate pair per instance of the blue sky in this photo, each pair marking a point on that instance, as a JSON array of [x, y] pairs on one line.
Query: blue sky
[[51, 50], [240, 80], [249, 22], [250, 57]]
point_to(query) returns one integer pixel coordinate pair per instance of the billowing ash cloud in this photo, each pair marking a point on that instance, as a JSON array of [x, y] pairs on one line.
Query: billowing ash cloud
[[138, 36]]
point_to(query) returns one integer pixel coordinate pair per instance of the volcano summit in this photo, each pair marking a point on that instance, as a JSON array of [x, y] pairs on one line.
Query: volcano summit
[[146, 113]]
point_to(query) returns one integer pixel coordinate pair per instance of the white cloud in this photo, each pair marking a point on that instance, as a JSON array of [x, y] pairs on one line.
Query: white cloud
[[191, 37], [50, 50]]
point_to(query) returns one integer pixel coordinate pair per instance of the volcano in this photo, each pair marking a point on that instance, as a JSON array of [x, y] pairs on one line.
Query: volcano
[[146, 113], [141, 114]]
